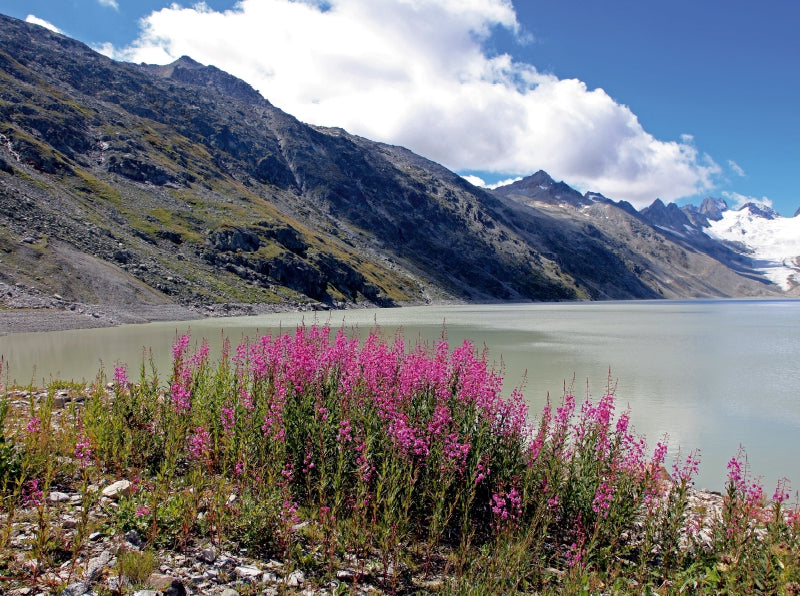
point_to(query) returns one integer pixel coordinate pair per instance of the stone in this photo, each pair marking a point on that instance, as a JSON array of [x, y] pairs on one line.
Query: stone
[[207, 555], [76, 589], [176, 588], [247, 571], [160, 581], [229, 592], [133, 537], [117, 489], [69, 523], [345, 575], [97, 564], [57, 497], [296, 578]]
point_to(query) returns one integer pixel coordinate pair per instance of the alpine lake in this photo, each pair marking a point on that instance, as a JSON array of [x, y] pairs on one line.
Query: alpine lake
[[711, 375]]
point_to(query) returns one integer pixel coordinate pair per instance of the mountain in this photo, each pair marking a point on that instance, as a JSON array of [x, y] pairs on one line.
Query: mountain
[[771, 241], [661, 245], [180, 184]]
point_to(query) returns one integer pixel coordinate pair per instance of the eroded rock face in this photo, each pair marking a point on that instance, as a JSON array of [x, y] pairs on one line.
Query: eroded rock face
[[139, 171], [233, 239]]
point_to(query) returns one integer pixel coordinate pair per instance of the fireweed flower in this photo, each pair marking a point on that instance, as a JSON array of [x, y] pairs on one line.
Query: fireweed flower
[[121, 376], [483, 472], [181, 398], [200, 444], [601, 504], [781, 494], [735, 475], [345, 432], [83, 452], [201, 357], [289, 512], [32, 493], [227, 418], [142, 511], [685, 472], [34, 425], [180, 347], [575, 555]]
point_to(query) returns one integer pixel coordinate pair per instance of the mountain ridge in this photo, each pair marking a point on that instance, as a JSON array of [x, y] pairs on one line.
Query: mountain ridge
[[185, 179]]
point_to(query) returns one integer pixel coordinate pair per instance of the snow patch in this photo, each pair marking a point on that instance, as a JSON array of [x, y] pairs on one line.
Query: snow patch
[[774, 243]]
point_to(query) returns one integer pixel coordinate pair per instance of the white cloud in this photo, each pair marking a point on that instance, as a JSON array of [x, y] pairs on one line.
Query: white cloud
[[505, 182], [415, 73], [736, 168], [42, 23], [109, 3], [475, 180]]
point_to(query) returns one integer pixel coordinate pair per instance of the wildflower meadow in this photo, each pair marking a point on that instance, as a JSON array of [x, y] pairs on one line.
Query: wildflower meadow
[[404, 464]]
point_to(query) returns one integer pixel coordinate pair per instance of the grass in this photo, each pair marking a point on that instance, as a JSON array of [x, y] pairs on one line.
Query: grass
[[403, 464]]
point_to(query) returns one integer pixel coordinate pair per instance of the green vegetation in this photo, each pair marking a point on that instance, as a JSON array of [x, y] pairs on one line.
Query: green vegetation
[[402, 464]]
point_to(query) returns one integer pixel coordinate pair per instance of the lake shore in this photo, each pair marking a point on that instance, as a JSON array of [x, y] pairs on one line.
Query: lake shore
[[25, 310]]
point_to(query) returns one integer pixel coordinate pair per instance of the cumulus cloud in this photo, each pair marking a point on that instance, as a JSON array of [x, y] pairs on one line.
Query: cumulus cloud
[[416, 73], [736, 168], [505, 182], [42, 23], [475, 180]]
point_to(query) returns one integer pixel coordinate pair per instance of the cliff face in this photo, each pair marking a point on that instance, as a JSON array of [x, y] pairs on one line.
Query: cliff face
[[184, 185]]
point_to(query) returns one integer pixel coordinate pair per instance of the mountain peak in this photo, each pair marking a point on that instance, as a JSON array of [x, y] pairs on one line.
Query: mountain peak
[[188, 70], [712, 208], [760, 210], [542, 188]]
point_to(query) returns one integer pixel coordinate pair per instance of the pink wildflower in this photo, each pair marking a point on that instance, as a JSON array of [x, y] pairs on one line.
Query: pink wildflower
[[781, 494], [181, 398], [180, 347], [83, 451], [34, 425], [227, 418], [121, 376], [575, 555], [201, 357], [602, 499], [32, 493], [345, 431], [200, 444]]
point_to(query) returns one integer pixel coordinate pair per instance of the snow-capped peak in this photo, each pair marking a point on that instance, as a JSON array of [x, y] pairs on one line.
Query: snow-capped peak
[[760, 210], [771, 240]]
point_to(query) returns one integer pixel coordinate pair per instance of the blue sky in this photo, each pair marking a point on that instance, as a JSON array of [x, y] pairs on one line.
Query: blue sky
[[638, 100]]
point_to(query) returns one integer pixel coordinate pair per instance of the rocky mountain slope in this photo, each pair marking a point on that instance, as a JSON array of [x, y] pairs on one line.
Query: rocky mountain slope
[[669, 252], [136, 185]]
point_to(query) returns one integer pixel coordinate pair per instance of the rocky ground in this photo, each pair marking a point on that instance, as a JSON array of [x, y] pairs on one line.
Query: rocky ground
[[24, 309]]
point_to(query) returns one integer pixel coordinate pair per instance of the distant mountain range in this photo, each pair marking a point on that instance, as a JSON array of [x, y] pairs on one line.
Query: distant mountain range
[[137, 184]]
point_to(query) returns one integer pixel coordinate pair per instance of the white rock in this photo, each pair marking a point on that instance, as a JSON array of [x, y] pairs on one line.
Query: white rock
[[247, 571], [58, 497], [296, 578], [116, 490]]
